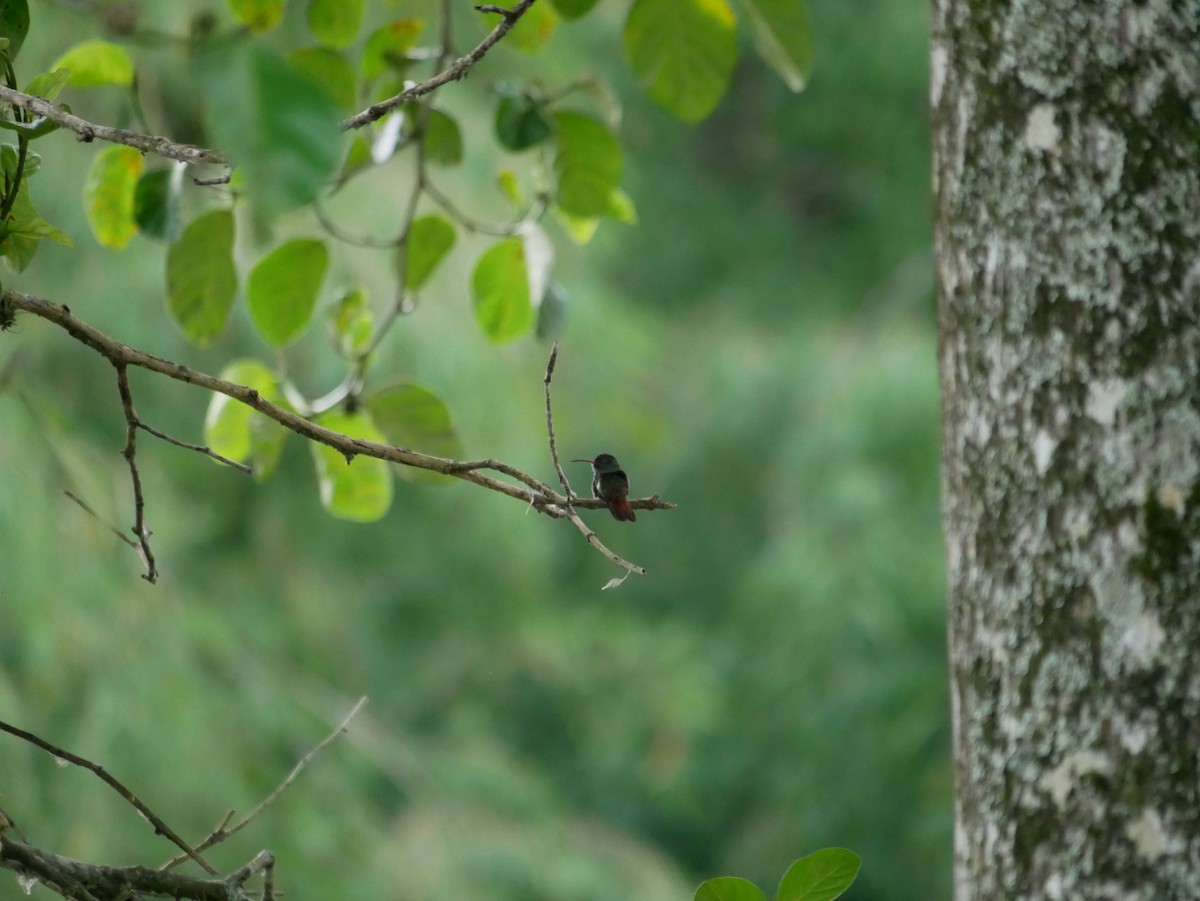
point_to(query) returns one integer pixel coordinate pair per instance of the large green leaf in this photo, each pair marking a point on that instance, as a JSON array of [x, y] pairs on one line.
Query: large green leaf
[[429, 240], [108, 195], [573, 9], [95, 63], [282, 289], [201, 279], [412, 416], [387, 46], [22, 233], [588, 164], [821, 876], [682, 52], [729, 888], [335, 23], [330, 70], [359, 490], [500, 288], [14, 24], [257, 15], [156, 205], [278, 125], [783, 36], [241, 433]]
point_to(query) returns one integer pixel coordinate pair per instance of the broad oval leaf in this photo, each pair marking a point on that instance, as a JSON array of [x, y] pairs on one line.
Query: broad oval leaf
[[95, 63], [521, 123], [412, 416], [280, 126], [573, 9], [500, 290], [783, 36], [201, 279], [241, 433], [330, 70], [729, 888], [14, 24], [588, 164], [429, 240], [821, 876], [532, 31], [108, 195], [443, 139], [282, 289], [682, 52], [156, 205], [335, 23], [257, 15], [359, 490], [387, 47], [352, 323]]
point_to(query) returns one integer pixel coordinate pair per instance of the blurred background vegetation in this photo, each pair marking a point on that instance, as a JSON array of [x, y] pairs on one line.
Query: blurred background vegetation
[[760, 349]]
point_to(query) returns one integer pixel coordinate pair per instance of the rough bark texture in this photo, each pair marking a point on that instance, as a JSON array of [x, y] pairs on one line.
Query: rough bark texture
[[1067, 178]]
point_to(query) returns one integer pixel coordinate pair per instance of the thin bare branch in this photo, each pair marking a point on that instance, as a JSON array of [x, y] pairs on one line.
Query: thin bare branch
[[456, 70], [221, 832], [87, 509], [562, 476], [129, 452], [90, 131], [198, 448], [160, 828]]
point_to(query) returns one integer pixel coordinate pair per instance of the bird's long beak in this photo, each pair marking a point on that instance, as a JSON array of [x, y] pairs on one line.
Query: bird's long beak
[[577, 460]]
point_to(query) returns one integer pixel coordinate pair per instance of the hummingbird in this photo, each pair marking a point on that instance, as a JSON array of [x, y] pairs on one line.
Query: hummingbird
[[611, 485]]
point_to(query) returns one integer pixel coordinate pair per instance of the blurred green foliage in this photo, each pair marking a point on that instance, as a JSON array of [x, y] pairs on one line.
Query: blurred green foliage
[[758, 349]]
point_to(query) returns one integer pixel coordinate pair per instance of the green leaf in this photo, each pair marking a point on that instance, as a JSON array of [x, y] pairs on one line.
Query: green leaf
[[783, 36], [588, 164], [22, 232], [682, 52], [282, 289], [14, 24], [201, 279], [241, 433], [108, 195], [48, 84], [573, 9], [729, 888], [330, 70], [500, 288], [532, 31], [352, 323], [510, 185], [95, 63], [257, 15], [443, 139], [35, 129], [521, 123], [429, 240], [412, 416], [279, 125], [156, 205], [388, 46], [335, 23], [821, 876], [361, 490]]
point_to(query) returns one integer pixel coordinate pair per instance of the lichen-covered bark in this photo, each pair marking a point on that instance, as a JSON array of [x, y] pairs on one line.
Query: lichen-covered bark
[[1067, 178]]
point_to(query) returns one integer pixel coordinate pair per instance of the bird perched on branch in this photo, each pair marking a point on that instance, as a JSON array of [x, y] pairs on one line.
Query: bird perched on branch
[[611, 485]]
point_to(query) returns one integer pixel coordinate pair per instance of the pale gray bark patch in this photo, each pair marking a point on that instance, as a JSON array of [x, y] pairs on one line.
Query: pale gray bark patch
[[1067, 178]]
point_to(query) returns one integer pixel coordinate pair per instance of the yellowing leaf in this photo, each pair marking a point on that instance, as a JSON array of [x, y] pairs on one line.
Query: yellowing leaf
[[108, 195], [95, 63]]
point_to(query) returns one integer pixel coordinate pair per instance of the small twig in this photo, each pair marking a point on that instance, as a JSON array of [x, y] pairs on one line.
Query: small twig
[[453, 72], [129, 452], [129, 541], [221, 833], [595, 542], [160, 828], [198, 448], [562, 476]]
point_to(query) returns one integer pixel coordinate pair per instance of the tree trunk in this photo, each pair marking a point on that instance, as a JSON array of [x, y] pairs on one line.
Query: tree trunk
[[1067, 181]]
